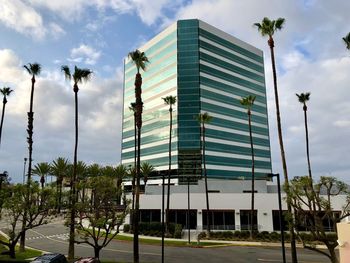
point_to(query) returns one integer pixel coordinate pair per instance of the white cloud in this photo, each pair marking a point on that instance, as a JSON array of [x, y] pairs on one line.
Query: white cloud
[[85, 53], [21, 17]]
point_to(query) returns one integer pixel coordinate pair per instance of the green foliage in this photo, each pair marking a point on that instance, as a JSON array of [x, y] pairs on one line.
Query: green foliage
[[126, 228], [178, 231], [155, 229], [269, 27], [139, 59]]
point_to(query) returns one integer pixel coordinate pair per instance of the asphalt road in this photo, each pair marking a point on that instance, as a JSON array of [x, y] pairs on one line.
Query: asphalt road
[[54, 238]]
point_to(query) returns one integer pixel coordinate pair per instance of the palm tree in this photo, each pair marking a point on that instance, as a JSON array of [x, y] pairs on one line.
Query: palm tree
[[140, 60], [204, 118], [146, 170], [119, 173], [248, 103], [303, 98], [78, 77], [168, 100], [133, 109], [34, 70], [5, 91], [347, 41], [268, 28], [42, 170], [60, 169]]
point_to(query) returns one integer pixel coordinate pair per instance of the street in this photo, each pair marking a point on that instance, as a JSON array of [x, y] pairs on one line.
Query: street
[[54, 238]]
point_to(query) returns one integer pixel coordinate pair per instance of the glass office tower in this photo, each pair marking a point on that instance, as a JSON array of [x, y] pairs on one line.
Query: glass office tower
[[209, 71]]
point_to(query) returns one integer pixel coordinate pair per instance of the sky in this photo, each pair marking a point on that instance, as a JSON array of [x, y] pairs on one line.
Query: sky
[[98, 34]]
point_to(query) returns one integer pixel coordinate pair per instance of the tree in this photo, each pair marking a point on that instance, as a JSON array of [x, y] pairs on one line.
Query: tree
[[60, 169], [5, 91], [33, 213], [133, 173], [42, 170], [146, 170], [140, 60], [347, 41], [303, 98], [303, 194], [205, 118], [170, 101], [34, 70], [248, 103], [268, 28], [79, 76], [100, 222], [119, 173]]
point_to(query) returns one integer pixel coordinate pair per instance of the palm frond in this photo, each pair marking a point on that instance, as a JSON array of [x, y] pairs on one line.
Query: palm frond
[[203, 118], [303, 97], [6, 91], [65, 69], [139, 59], [169, 100], [347, 40]]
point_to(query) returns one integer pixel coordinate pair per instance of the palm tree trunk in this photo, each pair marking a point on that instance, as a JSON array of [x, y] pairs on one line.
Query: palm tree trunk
[[283, 156], [133, 176], [169, 174], [138, 83], [2, 116], [307, 142], [30, 148], [206, 183], [253, 177], [73, 181]]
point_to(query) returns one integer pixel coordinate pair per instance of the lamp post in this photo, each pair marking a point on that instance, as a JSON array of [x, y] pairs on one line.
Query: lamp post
[[271, 175], [24, 169]]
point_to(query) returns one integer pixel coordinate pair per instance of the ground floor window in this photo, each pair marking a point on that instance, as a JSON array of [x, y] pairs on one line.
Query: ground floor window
[[180, 217], [305, 222], [276, 220], [245, 216], [219, 219], [149, 215]]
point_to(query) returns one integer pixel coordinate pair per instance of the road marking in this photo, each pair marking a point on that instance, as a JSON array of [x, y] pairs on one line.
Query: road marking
[[87, 246]]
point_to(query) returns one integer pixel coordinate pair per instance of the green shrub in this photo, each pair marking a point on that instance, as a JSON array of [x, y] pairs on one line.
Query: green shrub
[[178, 231], [126, 228], [200, 236], [274, 236]]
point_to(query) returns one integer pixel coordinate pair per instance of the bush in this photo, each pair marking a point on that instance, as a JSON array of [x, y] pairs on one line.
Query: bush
[[126, 228], [178, 231], [200, 236], [274, 236]]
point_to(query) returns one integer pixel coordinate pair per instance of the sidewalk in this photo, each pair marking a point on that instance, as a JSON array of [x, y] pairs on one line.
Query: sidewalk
[[225, 242]]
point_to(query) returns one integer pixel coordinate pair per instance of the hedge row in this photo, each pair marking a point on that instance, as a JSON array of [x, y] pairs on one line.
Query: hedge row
[[155, 229]]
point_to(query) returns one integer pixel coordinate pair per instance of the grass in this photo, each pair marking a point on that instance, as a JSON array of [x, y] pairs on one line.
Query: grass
[[20, 256]]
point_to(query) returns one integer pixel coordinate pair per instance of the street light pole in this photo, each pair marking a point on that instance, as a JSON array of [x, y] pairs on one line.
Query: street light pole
[[280, 213]]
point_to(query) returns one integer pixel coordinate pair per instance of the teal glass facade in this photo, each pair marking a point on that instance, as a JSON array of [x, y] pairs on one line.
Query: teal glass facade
[[209, 71]]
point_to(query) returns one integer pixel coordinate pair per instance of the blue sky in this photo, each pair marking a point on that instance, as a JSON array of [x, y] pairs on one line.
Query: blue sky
[[98, 34]]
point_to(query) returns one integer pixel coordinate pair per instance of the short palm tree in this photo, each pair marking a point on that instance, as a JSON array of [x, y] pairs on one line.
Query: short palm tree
[[140, 60], [347, 41], [5, 91], [303, 98], [203, 119], [79, 76], [34, 70], [170, 101], [42, 170], [119, 173], [248, 103], [60, 169], [268, 28]]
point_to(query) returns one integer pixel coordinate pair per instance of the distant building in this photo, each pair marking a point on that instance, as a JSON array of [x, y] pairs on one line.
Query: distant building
[[207, 70]]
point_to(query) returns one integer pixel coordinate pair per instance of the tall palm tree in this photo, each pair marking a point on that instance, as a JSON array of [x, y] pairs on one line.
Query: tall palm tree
[[268, 28], [34, 70], [60, 169], [203, 119], [133, 109], [248, 103], [5, 91], [347, 41], [79, 76], [146, 170], [42, 170], [140, 60], [170, 101], [303, 98]]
